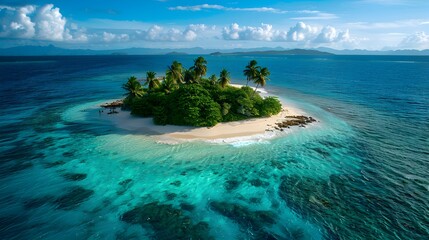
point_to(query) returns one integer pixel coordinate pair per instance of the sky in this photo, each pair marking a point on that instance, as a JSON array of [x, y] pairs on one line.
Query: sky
[[216, 24]]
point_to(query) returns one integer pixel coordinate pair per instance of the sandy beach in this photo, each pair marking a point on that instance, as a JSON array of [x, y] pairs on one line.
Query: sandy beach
[[257, 127]]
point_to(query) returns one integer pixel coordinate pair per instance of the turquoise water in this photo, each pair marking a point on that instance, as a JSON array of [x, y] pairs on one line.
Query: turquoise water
[[360, 173]]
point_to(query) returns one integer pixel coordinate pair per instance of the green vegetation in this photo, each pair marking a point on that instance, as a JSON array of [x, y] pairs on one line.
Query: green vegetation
[[185, 97]]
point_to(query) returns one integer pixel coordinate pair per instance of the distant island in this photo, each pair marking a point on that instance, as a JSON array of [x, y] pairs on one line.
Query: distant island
[[185, 97], [276, 52], [51, 50], [176, 53]]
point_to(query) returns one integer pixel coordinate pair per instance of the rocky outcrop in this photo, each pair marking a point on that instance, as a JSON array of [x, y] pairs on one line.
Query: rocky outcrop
[[290, 121], [167, 222]]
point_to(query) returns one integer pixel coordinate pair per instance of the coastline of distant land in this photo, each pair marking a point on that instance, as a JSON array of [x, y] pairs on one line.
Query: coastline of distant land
[[51, 50]]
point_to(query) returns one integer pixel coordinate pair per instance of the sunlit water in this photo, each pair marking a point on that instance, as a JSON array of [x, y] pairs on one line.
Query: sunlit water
[[361, 172]]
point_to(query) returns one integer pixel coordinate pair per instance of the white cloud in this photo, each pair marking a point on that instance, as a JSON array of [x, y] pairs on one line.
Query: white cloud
[[6, 7], [314, 15], [16, 23], [418, 40], [111, 37], [197, 7], [330, 34], [158, 33], [41, 23], [406, 23], [300, 33], [235, 32], [50, 23], [220, 7]]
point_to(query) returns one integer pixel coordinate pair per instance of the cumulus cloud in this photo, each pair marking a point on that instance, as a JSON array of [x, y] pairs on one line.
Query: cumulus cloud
[[418, 40], [235, 32], [111, 37], [220, 7], [301, 32], [158, 33], [16, 23], [330, 34], [50, 23], [41, 23]]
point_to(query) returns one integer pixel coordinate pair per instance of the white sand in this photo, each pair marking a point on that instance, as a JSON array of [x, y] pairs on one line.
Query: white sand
[[256, 128]]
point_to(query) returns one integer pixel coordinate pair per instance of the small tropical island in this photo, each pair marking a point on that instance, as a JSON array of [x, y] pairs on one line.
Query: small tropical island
[[187, 98]]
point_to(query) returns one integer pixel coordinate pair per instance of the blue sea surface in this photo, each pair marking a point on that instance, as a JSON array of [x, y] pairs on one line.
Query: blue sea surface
[[361, 172]]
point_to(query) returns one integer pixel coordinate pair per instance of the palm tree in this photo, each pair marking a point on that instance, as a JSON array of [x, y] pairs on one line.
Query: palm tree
[[133, 87], [190, 76], [213, 79], [200, 67], [168, 84], [176, 72], [250, 71], [151, 80], [224, 78], [261, 78]]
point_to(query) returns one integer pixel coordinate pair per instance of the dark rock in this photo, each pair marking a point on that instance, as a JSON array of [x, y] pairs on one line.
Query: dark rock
[[176, 183], [45, 143], [332, 144], [13, 225], [74, 176], [321, 151], [13, 167], [253, 221], [255, 200], [166, 222], [334, 204], [258, 183], [73, 198], [124, 186], [231, 185], [48, 140], [68, 154], [268, 236], [38, 202], [277, 164], [125, 182], [170, 196], [17, 154], [289, 121], [187, 207], [54, 164], [113, 105], [20, 166]]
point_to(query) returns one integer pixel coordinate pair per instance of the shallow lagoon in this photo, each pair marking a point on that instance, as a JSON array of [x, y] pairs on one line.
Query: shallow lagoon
[[66, 173]]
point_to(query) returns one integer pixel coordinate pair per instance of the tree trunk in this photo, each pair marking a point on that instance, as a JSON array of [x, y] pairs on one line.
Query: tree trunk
[[256, 88]]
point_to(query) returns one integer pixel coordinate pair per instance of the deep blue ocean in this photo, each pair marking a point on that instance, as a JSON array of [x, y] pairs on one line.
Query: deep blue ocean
[[361, 173]]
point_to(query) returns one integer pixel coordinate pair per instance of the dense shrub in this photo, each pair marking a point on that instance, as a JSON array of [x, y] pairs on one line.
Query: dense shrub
[[144, 106], [204, 104], [270, 106], [192, 105]]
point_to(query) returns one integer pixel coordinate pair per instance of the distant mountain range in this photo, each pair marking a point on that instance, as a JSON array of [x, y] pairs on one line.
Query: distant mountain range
[[56, 51], [409, 52], [277, 52]]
